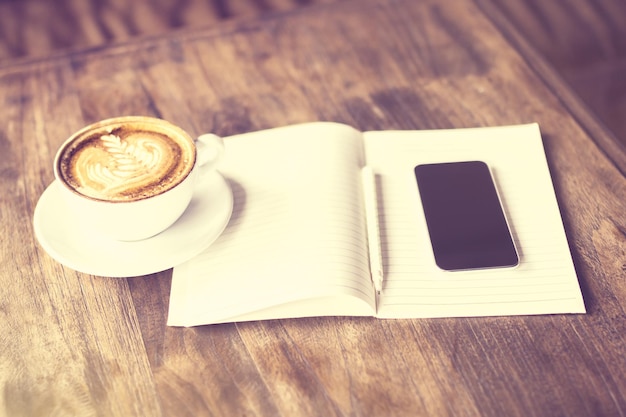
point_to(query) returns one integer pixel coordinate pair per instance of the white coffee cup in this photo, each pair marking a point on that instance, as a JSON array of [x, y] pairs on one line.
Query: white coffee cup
[[130, 178]]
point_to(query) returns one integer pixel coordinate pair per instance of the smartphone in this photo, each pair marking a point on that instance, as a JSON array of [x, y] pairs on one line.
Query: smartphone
[[466, 223]]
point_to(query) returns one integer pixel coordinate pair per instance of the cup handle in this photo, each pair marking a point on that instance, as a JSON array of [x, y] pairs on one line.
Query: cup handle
[[210, 149]]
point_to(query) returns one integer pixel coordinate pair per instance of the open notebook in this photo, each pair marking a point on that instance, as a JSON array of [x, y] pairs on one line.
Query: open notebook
[[297, 244]]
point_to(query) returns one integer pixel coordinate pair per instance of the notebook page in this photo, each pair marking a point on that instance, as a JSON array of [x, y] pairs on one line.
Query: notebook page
[[297, 232], [545, 281]]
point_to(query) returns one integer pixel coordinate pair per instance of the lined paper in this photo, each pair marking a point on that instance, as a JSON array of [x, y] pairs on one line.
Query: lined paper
[[296, 244], [545, 281]]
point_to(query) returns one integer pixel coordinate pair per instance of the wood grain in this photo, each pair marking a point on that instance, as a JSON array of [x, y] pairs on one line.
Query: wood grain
[[75, 344], [35, 28], [584, 40]]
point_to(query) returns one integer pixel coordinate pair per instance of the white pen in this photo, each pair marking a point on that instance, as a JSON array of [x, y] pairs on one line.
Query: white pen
[[373, 230]]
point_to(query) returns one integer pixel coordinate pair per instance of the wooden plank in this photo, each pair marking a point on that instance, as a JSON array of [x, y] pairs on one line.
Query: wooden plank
[[70, 342], [592, 60], [35, 28], [585, 42]]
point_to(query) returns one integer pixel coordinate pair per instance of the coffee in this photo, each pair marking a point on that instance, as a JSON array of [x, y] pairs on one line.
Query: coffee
[[126, 159]]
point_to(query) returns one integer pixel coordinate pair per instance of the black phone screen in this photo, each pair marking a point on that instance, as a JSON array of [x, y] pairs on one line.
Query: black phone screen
[[465, 220]]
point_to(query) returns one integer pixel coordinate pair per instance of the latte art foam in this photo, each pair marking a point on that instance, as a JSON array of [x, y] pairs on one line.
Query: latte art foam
[[126, 163]]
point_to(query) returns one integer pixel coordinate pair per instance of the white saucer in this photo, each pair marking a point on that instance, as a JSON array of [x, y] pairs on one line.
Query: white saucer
[[201, 224]]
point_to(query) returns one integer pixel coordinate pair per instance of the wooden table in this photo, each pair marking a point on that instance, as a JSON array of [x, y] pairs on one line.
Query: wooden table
[[75, 344]]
